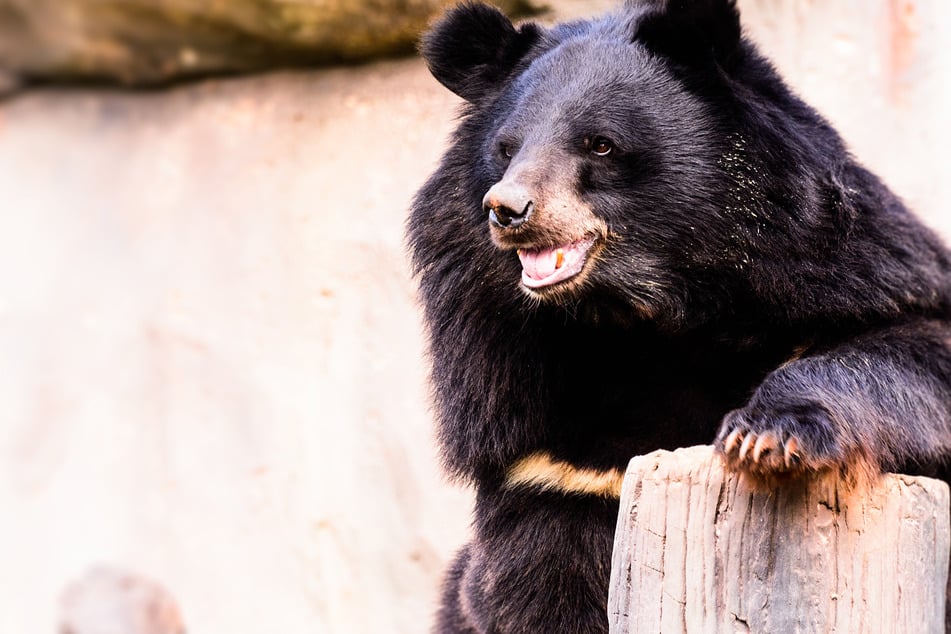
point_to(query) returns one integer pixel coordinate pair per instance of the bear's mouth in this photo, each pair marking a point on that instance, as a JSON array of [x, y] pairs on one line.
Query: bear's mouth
[[546, 266]]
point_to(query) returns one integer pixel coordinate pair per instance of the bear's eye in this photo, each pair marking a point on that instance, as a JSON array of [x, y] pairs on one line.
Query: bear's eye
[[505, 150], [599, 146]]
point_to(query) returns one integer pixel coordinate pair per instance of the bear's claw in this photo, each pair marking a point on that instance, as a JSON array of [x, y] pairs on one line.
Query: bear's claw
[[771, 443], [730, 442], [740, 447], [791, 452]]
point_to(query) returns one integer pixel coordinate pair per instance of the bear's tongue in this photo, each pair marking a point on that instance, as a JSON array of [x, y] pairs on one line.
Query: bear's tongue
[[543, 267]]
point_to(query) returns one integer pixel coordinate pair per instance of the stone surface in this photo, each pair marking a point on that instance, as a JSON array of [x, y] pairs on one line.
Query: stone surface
[[213, 369], [698, 550], [143, 42], [881, 72], [111, 601]]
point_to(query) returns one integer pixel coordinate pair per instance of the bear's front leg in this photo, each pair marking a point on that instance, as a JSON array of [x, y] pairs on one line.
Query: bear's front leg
[[878, 402]]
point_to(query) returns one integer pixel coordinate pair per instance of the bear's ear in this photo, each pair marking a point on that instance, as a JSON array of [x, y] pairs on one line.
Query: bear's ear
[[693, 31], [473, 47]]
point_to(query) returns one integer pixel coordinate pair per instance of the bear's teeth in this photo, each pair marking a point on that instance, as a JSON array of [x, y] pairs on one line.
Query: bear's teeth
[[559, 258]]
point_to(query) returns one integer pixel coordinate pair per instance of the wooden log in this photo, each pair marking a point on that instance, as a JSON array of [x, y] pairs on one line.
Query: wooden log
[[698, 550]]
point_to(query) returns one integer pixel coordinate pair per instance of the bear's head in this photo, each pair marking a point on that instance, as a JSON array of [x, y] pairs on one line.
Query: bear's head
[[650, 161]]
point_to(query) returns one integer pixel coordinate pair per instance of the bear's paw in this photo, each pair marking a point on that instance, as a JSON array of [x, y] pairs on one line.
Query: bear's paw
[[784, 440]]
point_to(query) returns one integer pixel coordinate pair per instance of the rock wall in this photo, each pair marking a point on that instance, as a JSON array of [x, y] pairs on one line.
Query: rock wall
[[145, 42], [213, 370], [879, 70]]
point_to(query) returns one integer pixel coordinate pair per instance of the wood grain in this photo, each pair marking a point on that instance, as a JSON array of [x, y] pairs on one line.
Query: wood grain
[[698, 550]]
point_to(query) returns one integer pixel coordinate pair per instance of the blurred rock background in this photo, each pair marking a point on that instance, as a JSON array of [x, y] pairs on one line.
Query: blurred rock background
[[212, 369], [146, 42]]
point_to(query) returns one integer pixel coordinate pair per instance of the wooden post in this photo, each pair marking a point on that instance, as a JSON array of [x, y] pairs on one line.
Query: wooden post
[[697, 550]]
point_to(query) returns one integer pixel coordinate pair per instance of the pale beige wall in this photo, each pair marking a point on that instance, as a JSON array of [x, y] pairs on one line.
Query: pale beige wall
[[880, 70], [211, 369], [212, 366]]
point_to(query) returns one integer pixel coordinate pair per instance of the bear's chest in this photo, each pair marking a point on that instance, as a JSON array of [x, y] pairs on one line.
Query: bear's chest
[[612, 397]]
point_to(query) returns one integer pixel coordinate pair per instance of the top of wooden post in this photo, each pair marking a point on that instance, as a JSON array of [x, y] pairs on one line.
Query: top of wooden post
[[699, 550]]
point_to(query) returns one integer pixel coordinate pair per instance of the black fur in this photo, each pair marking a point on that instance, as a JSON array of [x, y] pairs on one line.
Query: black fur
[[475, 50], [750, 281]]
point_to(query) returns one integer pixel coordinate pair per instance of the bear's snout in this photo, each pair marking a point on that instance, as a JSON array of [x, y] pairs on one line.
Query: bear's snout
[[508, 204]]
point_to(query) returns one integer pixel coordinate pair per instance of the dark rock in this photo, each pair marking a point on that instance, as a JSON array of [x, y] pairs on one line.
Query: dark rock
[[147, 42]]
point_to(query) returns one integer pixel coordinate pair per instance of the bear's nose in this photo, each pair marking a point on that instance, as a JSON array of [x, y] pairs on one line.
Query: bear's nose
[[507, 204]]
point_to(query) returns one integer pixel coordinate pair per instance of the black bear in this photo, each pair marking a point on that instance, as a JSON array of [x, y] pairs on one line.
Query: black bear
[[640, 238]]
